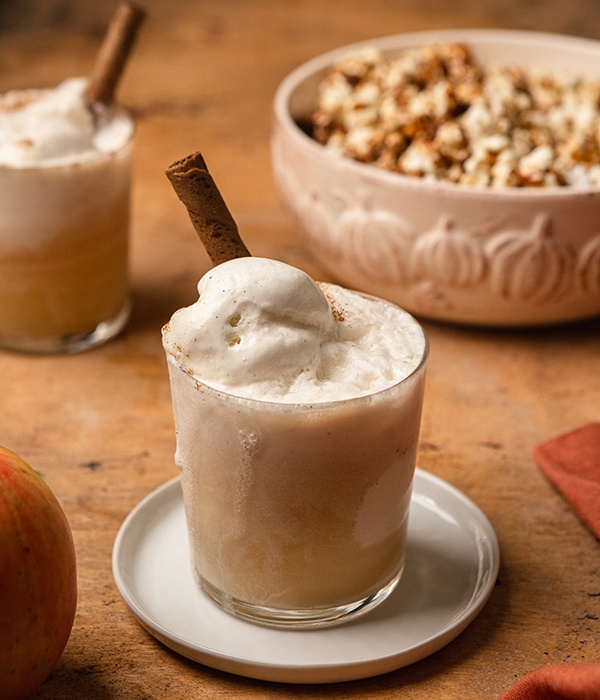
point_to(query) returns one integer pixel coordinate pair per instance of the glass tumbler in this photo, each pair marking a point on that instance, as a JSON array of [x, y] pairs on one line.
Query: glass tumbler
[[297, 513], [64, 252]]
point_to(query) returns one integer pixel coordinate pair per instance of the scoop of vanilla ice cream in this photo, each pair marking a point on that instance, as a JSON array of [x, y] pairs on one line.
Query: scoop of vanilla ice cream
[[263, 329], [46, 127], [255, 320]]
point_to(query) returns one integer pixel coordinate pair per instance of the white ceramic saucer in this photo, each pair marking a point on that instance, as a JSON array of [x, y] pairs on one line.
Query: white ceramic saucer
[[451, 567]]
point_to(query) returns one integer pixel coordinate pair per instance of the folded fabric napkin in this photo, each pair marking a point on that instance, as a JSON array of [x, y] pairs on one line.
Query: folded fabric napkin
[[558, 682], [572, 463]]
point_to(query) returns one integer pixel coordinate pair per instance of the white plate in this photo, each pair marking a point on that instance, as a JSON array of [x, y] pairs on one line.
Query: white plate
[[451, 567]]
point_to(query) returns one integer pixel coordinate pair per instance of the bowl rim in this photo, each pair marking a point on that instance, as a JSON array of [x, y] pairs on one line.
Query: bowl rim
[[283, 119]]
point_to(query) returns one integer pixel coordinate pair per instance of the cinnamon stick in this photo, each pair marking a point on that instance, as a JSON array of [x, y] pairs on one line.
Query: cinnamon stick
[[114, 52], [210, 216]]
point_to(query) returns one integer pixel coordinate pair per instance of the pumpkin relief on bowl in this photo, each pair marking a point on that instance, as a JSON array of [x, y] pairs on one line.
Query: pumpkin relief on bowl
[[375, 242], [531, 265], [315, 221], [588, 267], [448, 256]]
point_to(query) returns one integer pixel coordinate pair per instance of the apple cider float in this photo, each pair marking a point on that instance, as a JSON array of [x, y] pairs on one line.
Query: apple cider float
[[63, 242], [297, 409], [65, 163]]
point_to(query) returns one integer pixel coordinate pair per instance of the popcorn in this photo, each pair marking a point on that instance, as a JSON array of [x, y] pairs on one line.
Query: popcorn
[[434, 113]]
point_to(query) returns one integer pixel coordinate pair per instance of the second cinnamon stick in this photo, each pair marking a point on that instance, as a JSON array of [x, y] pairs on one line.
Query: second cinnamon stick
[[114, 52]]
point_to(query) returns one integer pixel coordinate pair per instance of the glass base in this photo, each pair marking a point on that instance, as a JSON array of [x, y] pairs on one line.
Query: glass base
[[308, 618], [77, 342]]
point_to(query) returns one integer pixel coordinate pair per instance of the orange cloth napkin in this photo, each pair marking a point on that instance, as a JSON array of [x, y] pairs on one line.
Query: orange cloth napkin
[[572, 463], [557, 682]]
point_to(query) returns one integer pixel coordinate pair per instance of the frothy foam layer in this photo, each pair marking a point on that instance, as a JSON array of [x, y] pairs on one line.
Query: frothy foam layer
[[265, 330], [55, 127]]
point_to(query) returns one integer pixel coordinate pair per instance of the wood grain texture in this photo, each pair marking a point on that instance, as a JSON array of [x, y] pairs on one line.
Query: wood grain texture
[[99, 427]]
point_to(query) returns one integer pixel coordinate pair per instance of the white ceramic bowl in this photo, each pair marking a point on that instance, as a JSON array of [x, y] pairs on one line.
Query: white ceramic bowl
[[499, 257]]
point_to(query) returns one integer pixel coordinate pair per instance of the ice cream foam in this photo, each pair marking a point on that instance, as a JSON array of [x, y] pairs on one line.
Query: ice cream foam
[[55, 126], [265, 330]]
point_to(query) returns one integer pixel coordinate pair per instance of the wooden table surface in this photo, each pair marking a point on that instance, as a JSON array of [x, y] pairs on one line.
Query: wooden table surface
[[99, 427]]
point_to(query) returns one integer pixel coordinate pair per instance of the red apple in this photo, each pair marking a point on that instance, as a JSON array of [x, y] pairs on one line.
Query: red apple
[[38, 579]]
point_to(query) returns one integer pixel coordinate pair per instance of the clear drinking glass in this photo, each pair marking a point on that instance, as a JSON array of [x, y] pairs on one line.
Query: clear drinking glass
[[297, 513], [64, 252]]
